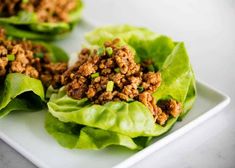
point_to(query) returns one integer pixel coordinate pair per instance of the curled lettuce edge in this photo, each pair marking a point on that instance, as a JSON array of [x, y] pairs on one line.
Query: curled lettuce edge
[[21, 92], [22, 18], [72, 135], [15, 85], [40, 30], [131, 119], [13, 31]]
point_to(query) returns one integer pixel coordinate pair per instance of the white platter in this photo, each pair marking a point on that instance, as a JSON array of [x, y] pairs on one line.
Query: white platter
[[25, 132]]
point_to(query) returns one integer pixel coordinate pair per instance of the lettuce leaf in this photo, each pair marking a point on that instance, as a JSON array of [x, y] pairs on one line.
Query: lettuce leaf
[[15, 85], [22, 18], [124, 32], [133, 119], [21, 33], [72, 135]]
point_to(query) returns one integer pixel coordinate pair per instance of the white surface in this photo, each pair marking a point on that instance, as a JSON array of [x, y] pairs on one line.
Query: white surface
[[208, 29], [38, 146]]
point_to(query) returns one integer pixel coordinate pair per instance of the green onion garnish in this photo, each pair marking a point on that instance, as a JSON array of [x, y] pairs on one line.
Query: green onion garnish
[[25, 1], [9, 38], [109, 51], [140, 88], [130, 100], [109, 87], [151, 68], [11, 57], [39, 55], [95, 75], [100, 51], [117, 70]]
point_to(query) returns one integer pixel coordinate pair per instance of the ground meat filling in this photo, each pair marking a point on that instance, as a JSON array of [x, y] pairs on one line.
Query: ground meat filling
[[21, 56], [47, 11], [110, 73]]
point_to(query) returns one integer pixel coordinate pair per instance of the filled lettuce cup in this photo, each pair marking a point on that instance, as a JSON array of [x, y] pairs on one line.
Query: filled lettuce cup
[[128, 86], [26, 69], [44, 20]]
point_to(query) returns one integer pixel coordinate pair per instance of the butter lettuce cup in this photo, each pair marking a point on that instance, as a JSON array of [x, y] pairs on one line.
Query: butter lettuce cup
[[27, 69]]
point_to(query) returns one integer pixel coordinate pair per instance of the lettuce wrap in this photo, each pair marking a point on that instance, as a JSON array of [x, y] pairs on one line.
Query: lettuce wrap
[[85, 125], [22, 92], [26, 24]]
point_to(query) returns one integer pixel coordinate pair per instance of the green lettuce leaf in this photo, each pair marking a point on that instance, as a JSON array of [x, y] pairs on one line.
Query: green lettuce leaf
[[72, 135], [27, 34], [22, 18], [15, 85], [52, 28], [133, 119], [124, 32]]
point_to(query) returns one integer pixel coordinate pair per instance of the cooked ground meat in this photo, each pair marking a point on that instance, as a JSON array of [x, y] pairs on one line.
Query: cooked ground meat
[[21, 56], [47, 11], [110, 73], [170, 107]]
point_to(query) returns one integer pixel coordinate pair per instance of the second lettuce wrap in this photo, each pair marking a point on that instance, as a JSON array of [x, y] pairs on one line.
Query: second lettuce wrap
[[19, 91], [38, 20]]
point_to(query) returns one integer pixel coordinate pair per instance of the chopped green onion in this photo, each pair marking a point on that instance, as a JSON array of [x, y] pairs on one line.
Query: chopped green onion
[[109, 51], [109, 87], [95, 75], [9, 38], [100, 51], [25, 1], [140, 88], [11, 57], [39, 55], [130, 100], [117, 70], [151, 68]]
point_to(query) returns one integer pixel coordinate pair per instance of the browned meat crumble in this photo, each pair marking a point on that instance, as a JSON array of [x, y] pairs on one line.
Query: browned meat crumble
[[46, 10], [22, 56], [114, 65]]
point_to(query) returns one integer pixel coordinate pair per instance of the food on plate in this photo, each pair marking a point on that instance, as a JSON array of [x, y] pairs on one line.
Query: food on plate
[[128, 86], [26, 68], [44, 20]]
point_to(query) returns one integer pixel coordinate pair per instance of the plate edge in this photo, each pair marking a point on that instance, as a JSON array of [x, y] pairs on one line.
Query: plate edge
[[183, 130]]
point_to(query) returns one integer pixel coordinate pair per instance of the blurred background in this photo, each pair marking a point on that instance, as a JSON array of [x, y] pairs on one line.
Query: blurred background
[[208, 29]]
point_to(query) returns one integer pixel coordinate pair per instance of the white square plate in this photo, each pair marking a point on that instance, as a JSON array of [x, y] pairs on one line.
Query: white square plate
[[25, 132]]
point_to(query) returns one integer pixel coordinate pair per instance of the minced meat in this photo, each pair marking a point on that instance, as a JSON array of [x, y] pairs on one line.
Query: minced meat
[[22, 56], [110, 73], [46, 10]]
